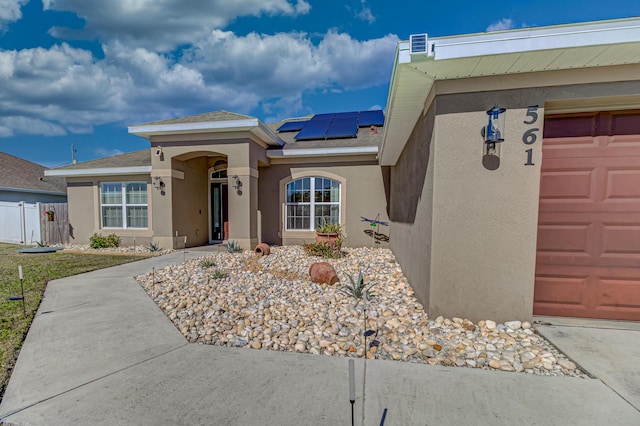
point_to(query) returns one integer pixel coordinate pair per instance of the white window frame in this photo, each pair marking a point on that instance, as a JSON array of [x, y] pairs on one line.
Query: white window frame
[[311, 203], [123, 204]]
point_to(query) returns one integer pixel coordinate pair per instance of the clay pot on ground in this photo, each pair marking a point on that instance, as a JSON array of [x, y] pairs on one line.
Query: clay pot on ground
[[323, 273], [331, 238], [262, 249]]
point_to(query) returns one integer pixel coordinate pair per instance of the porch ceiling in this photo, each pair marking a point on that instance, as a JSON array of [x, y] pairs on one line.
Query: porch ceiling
[[506, 52]]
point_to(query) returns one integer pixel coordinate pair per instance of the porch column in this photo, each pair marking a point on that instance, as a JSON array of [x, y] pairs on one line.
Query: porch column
[[243, 206]]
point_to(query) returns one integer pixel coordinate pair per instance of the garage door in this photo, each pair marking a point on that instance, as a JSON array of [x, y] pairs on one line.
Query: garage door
[[588, 255]]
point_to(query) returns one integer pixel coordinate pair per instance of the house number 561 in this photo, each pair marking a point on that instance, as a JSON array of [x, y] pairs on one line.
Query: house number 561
[[530, 136]]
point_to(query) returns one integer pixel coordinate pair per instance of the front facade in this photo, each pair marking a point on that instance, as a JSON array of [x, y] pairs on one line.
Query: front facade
[[508, 165], [227, 177]]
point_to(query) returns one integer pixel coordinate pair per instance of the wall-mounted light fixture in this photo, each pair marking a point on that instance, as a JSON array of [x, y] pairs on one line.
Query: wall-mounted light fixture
[[493, 134], [237, 184], [158, 151], [158, 183]]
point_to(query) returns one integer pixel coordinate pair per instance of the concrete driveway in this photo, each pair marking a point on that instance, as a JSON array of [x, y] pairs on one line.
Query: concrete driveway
[[101, 352]]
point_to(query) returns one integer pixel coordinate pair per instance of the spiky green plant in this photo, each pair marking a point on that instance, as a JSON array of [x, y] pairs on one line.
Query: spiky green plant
[[234, 247], [324, 250], [357, 289], [219, 274], [207, 263], [154, 247]]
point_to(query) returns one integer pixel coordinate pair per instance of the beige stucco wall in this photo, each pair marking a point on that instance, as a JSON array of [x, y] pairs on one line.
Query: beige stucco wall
[[362, 195], [468, 246], [84, 210], [184, 206]]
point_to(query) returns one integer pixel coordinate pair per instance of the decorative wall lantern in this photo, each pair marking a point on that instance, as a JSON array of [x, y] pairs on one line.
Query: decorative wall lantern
[[237, 184], [158, 183], [493, 134]]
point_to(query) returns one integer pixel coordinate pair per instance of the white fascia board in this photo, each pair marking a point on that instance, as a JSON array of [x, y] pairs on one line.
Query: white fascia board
[[205, 126], [31, 191], [105, 171], [266, 134], [321, 152], [535, 39]]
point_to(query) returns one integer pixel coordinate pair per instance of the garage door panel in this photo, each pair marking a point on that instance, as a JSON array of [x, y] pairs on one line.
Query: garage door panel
[[588, 254], [623, 184], [573, 185]]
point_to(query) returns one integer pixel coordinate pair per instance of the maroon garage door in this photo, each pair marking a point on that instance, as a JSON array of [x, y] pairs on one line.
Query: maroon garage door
[[588, 256]]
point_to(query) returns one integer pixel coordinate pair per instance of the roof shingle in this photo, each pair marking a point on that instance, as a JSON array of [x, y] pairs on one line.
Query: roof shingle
[[22, 174]]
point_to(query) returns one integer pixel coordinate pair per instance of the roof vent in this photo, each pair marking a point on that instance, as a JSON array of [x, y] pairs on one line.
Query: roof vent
[[418, 44]]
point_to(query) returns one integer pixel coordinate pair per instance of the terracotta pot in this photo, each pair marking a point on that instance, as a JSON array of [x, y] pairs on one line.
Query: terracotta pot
[[323, 273], [263, 249], [331, 238]]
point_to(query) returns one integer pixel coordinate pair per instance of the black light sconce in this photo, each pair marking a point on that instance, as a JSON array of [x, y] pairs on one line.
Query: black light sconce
[[493, 134], [237, 184], [158, 183]]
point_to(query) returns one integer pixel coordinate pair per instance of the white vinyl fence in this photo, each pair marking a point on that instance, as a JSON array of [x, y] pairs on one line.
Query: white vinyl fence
[[19, 223]]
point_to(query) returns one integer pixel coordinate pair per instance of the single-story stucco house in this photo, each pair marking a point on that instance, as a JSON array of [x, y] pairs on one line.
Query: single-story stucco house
[[507, 164]]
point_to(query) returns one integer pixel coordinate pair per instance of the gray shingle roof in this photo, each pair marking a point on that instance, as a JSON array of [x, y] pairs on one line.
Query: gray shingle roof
[[132, 159], [201, 118], [22, 174]]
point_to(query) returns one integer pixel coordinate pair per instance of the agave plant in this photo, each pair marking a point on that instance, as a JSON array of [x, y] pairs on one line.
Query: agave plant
[[357, 289], [154, 247], [207, 263], [234, 247]]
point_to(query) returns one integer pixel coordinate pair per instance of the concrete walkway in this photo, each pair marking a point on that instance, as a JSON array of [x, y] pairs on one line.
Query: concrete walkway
[[101, 352]]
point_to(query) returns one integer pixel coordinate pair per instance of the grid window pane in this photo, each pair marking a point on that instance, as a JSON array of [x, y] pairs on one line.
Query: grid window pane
[[137, 193], [111, 193], [137, 217], [306, 211], [130, 211], [111, 217]]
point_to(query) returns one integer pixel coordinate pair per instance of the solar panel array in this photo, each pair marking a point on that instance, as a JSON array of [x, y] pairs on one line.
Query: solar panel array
[[292, 126], [333, 126]]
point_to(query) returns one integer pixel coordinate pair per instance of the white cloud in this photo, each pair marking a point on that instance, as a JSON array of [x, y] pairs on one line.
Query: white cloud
[[67, 90], [163, 25], [10, 12], [105, 152], [365, 13], [503, 24]]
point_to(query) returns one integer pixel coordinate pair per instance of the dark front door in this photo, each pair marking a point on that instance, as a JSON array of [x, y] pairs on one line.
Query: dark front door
[[219, 211]]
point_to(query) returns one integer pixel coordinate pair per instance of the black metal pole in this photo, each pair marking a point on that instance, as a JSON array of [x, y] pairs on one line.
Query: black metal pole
[[24, 308], [352, 389]]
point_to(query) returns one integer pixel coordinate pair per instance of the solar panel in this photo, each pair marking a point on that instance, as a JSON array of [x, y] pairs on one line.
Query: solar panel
[[316, 128], [291, 126], [371, 118], [347, 114], [343, 127]]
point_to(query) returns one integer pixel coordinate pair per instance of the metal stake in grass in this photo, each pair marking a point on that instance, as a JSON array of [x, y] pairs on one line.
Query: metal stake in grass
[[16, 298]]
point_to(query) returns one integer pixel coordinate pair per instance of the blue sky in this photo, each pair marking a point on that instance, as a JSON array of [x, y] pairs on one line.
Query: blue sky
[[79, 72]]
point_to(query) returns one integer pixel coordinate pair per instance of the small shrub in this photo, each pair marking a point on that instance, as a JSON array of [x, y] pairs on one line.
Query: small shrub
[[357, 289], [324, 250], [97, 241], [329, 228], [207, 263], [219, 274], [154, 247], [234, 247]]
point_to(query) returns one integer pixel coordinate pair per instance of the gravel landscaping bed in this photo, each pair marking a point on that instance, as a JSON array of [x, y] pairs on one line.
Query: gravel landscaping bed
[[270, 303], [124, 250]]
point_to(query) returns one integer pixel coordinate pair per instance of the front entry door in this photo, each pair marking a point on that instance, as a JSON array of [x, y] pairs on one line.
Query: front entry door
[[219, 210]]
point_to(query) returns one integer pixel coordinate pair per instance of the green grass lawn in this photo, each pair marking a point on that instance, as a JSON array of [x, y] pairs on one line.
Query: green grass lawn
[[37, 270]]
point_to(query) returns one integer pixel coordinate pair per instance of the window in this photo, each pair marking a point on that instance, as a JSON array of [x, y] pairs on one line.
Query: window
[[124, 204], [310, 201]]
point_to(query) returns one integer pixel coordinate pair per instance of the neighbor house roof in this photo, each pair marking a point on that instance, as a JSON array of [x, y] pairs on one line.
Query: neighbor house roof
[[137, 162], [22, 175], [419, 64], [210, 122]]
